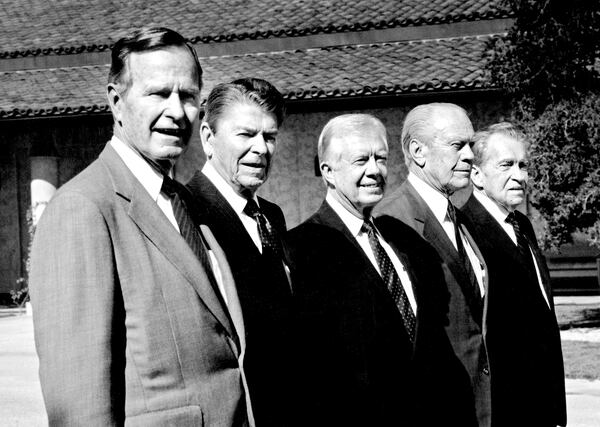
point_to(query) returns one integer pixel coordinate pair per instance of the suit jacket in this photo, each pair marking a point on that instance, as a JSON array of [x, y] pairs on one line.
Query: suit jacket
[[266, 300], [128, 328], [360, 366], [467, 326], [523, 337]]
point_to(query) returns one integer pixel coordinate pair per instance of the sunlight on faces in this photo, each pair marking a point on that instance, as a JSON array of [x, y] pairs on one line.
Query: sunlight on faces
[[357, 169], [242, 145], [158, 112], [447, 157], [503, 173]]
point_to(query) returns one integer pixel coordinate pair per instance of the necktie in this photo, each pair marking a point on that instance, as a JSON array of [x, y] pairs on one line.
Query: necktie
[[462, 253], [391, 279], [178, 195], [271, 244], [522, 245]]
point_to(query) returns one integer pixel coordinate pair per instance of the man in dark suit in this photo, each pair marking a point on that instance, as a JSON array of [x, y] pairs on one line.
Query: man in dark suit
[[239, 137], [435, 141], [372, 299], [528, 387], [128, 295]]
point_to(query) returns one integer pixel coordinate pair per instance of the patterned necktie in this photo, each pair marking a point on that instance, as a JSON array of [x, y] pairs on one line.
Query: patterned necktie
[[522, 245], [462, 253], [271, 244], [391, 279], [178, 195]]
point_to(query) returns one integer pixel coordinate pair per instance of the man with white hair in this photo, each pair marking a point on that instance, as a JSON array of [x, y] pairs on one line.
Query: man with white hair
[[371, 298], [522, 335], [435, 141]]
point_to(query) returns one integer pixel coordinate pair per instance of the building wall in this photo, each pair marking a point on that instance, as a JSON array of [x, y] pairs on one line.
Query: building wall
[[292, 184]]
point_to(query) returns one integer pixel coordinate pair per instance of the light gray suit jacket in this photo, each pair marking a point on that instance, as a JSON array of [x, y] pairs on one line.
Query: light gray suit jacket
[[128, 328]]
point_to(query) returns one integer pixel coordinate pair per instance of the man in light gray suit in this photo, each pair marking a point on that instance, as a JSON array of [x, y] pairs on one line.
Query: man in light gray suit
[[136, 316]]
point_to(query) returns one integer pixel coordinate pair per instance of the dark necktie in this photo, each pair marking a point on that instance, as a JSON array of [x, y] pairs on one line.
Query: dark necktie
[[522, 244], [462, 253], [178, 195], [270, 241], [391, 279]]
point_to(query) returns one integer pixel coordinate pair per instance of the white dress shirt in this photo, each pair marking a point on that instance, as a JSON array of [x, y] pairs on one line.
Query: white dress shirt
[[354, 225], [438, 203], [152, 180], [237, 202], [499, 213]]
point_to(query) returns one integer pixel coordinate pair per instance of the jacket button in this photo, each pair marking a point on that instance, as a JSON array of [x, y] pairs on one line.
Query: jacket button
[[486, 370]]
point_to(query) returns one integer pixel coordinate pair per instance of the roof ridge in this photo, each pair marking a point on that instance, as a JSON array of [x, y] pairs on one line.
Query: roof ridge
[[290, 32]]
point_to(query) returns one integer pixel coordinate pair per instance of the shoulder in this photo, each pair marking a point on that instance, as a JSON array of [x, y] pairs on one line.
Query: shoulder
[[404, 237]]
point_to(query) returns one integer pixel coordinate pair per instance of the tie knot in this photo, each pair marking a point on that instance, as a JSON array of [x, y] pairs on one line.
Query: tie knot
[[451, 212], [368, 228], [512, 219], [251, 208], [169, 186]]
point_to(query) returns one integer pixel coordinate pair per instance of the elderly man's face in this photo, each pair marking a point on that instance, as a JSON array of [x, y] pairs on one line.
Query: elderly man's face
[[242, 145], [447, 154], [503, 173], [159, 112], [359, 173]]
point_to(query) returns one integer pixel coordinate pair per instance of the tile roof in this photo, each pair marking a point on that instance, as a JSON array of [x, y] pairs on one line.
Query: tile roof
[[359, 70], [40, 27]]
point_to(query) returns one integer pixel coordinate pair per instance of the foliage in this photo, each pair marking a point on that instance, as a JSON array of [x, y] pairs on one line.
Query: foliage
[[549, 53], [565, 177], [548, 63]]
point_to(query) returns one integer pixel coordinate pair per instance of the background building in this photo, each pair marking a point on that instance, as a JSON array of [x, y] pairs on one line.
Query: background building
[[327, 57]]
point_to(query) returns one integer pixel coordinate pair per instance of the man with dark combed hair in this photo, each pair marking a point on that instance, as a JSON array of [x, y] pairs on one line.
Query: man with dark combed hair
[[239, 136], [136, 316], [522, 333]]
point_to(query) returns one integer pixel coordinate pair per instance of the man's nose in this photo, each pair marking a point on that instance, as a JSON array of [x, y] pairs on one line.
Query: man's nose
[[520, 174], [175, 107], [466, 154], [373, 167], [259, 144]]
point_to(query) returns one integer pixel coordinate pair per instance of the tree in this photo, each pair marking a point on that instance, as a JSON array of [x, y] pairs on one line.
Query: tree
[[548, 63]]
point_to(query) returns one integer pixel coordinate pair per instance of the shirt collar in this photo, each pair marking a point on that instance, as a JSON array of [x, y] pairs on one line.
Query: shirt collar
[[351, 221], [498, 212], [437, 202], [149, 177], [237, 202]]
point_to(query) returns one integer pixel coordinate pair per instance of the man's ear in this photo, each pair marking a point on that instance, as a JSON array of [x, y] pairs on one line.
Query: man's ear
[[207, 137], [417, 151], [115, 101], [327, 173], [477, 177]]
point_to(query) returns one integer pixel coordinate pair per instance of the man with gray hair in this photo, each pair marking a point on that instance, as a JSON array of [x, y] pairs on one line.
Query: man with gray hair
[[524, 347], [435, 141], [128, 316], [372, 299]]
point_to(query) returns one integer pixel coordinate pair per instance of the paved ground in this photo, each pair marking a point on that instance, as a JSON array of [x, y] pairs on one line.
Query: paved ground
[[21, 401]]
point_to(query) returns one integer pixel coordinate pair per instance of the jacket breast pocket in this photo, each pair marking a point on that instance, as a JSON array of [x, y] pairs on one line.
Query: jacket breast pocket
[[185, 416]]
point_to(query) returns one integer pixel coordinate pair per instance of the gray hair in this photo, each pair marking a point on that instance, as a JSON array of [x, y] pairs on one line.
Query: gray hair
[[417, 125], [347, 125], [479, 142]]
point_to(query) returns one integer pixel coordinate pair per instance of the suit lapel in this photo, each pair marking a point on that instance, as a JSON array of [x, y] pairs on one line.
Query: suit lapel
[[434, 233], [327, 216], [157, 228], [219, 212]]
